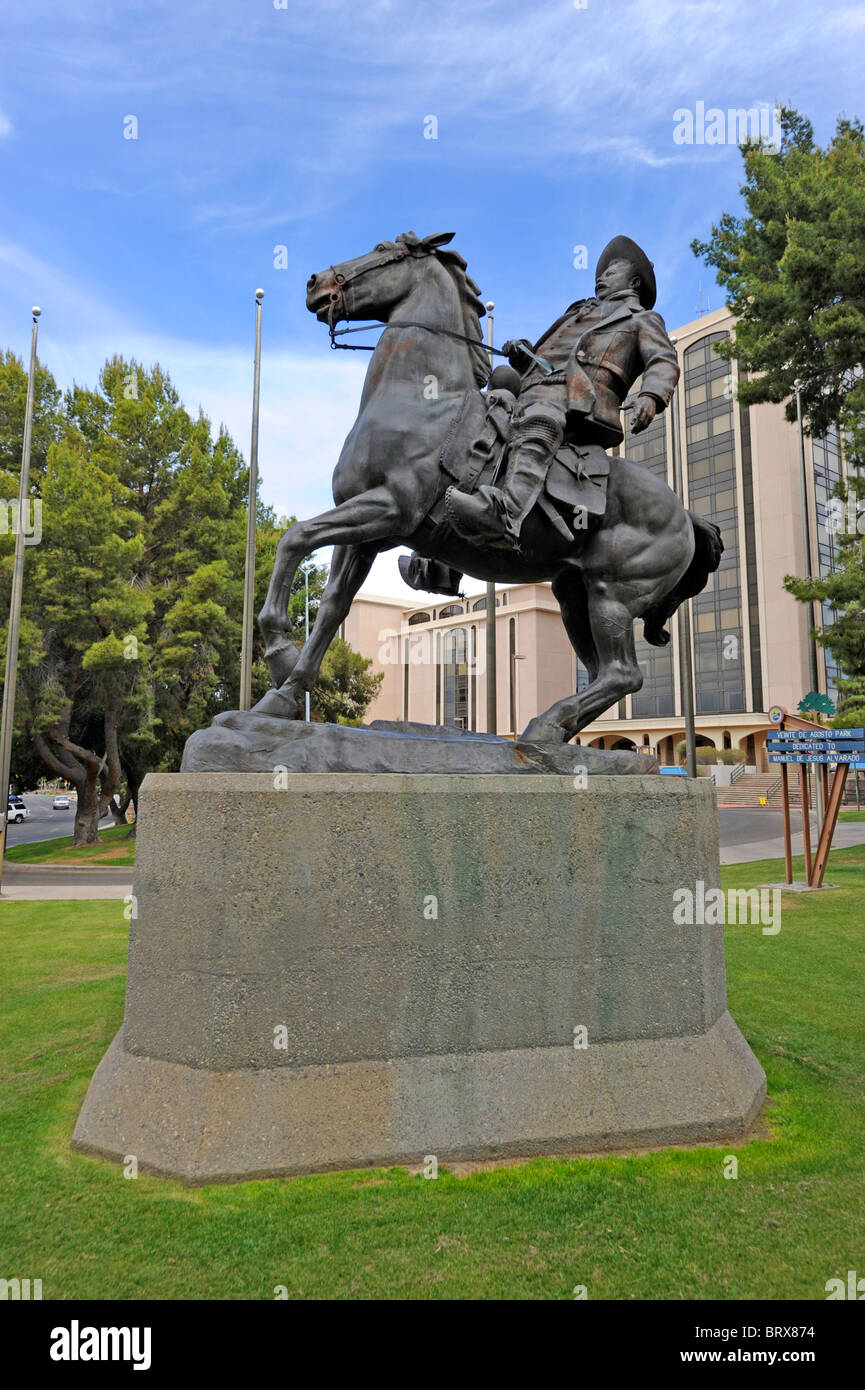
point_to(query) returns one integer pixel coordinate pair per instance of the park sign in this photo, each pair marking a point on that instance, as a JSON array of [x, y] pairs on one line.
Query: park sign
[[816, 746], [786, 734], [804, 747], [825, 756]]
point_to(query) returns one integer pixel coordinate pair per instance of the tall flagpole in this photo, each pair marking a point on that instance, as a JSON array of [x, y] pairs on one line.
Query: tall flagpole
[[306, 713], [492, 665], [249, 570], [686, 666], [11, 677]]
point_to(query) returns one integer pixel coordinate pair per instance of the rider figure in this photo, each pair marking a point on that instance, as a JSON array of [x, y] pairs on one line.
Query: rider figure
[[596, 350]]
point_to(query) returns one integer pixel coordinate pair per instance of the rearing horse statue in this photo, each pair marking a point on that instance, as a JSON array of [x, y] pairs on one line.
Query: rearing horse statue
[[641, 559]]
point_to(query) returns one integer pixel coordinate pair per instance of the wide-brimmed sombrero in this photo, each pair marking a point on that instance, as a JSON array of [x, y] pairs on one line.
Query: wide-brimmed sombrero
[[621, 248]]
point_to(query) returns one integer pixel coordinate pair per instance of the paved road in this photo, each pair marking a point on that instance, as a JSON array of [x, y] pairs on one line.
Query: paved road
[[748, 833], [25, 883], [44, 823], [738, 825]]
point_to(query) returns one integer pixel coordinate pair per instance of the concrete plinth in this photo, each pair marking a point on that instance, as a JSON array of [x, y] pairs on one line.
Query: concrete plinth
[[331, 970]]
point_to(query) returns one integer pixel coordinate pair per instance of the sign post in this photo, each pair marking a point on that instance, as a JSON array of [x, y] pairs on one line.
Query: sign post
[[806, 817], [822, 748]]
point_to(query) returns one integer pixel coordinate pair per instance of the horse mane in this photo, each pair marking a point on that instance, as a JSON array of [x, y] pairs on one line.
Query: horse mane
[[469, 292]]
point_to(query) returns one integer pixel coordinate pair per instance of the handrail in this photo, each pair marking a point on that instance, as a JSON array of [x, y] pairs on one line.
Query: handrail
[[736, 773]]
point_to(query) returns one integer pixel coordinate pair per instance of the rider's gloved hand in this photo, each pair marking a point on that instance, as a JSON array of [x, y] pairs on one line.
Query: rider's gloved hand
[[515, 349], [645, 409]]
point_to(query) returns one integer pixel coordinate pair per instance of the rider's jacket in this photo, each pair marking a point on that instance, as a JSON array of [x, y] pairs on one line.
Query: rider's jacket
[[599, 348]]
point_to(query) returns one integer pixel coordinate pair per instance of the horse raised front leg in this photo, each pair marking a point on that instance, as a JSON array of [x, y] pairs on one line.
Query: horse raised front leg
[[349, 567], [373, 516]]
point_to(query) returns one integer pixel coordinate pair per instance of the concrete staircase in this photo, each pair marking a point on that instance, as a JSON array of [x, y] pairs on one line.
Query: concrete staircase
[[746, 791]]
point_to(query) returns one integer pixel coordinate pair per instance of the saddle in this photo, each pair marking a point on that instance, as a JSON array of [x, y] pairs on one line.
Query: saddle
[[477, 450]]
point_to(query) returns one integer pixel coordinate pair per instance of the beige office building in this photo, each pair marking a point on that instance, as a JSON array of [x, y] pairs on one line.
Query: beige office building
[[750, 643]]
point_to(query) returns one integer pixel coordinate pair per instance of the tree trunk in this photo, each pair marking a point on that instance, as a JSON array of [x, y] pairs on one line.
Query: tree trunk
[[88, 809], [80, 766], [133, 782], [118, 806], [112, 773]]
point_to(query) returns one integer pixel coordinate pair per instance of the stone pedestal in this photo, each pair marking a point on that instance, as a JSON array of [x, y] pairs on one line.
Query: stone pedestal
[[330, 970]]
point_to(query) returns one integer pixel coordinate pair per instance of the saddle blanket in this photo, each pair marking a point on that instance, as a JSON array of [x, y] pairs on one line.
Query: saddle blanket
[[478, 445]]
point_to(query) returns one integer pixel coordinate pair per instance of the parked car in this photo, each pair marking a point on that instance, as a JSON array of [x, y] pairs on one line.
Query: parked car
[[60, 803], [16, 811]]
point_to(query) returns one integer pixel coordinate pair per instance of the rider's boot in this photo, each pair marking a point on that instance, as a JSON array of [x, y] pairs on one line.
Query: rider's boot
[[495, 516]]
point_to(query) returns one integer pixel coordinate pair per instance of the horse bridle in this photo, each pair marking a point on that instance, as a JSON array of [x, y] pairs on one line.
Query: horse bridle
[[338, 310]]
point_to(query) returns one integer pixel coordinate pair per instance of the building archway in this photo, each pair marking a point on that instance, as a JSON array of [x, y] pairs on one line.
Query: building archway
[[666, 751]]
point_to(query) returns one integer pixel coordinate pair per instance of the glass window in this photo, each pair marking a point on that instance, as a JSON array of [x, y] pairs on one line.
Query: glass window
[[720, 384], [696, 395], [706, 622], [698, 431], [455, 672]]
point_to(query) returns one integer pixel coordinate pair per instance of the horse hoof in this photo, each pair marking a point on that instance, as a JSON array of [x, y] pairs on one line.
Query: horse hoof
[[277, 705], [539, 731], [281, 661]]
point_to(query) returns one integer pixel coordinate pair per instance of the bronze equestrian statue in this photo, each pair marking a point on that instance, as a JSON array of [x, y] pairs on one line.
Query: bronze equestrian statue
[[421, 463]]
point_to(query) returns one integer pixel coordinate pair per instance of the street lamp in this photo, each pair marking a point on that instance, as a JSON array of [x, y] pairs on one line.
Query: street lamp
[[11, 676], [492, 713], [306, 628], [686, 668], [806, 536], [249, 569], [515, 657]]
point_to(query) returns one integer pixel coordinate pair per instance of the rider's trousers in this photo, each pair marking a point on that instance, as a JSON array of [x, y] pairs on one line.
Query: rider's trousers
[[538, 431]]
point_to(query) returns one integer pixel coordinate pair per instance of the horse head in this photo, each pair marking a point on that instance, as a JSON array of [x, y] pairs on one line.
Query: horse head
[[370, 286]]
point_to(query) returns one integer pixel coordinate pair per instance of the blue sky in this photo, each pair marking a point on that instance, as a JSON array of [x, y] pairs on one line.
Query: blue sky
[[303, 126]]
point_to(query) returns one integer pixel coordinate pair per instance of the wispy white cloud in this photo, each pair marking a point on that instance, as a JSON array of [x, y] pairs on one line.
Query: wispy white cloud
[[343, 79]]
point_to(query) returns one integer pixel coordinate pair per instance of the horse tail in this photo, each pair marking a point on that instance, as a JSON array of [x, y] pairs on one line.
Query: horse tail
[[708, 549]]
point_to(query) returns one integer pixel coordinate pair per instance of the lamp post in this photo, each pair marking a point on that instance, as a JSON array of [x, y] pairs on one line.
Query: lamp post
[[686, 668], [11, 676], [806, 536], [515, 657], [306, 629], [249, 570], [810, 610], [492, 712]]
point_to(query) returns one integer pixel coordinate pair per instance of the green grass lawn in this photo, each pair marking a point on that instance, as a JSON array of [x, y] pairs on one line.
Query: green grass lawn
[[851, 815], [113, 848], [664, 1225]]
